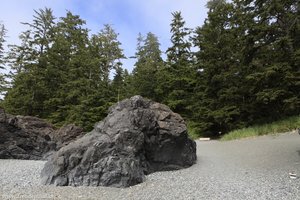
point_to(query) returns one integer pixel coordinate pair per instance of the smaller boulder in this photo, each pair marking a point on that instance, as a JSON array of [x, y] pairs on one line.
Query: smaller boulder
[[31, 138], [24, 137]]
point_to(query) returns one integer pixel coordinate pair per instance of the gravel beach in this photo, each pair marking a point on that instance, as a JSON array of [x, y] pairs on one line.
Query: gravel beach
[[256, 168]]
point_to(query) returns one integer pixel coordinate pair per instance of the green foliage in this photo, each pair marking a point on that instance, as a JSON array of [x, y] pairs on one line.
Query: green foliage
[[108, 51], [3, 83], [178, 73], [69, 59], [146, 71], [60, 73], [192, 129], [179, 52], [244, 69], [217, 96], [247, 66], [28, 60], [281, 126]]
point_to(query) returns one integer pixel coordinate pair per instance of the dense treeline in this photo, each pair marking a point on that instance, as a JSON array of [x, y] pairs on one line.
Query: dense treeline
[[242, 67]]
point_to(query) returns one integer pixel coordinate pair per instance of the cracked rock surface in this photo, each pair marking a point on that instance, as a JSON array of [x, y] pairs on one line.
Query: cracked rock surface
[[138, 137], [31, 138]]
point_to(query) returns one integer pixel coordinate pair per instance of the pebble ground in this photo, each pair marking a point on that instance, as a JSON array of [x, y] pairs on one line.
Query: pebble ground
[[255, 168]]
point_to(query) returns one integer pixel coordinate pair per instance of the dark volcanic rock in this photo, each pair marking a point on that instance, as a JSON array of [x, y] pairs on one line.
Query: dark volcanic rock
[[31, 138], [137, 137], [67, 134], [23, 137]]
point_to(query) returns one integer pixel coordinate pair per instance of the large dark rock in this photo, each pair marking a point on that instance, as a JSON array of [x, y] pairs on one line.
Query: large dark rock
[[31, 138], [137, 137]]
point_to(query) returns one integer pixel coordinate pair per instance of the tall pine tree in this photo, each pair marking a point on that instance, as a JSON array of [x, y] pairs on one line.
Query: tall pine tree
[[69, 60], [270, 52], [28, 61], [105, 56], [218, 93], [247, 70], [149, 62], [179, 72], [3, 83]]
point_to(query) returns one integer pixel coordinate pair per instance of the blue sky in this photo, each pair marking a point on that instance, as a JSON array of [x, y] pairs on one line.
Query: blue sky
[[128, 17]]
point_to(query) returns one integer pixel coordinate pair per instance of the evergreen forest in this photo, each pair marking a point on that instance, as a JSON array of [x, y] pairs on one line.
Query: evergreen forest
[[240, 68]]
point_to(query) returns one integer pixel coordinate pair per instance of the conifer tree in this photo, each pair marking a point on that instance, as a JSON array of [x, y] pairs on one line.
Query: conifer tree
[[149, 62], [218, 91], [69, 60], [270, 54], [108, 52], [28, 61], [246, 64], [118, 84], [3, 83], [104, 58], [179, 72]]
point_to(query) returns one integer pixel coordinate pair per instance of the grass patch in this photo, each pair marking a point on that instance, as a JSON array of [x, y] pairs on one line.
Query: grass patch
[[192, 130], [281, 126]]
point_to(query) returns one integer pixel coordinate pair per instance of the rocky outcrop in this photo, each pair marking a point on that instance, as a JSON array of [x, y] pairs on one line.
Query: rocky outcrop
[[23, 137], [137, 137], [31, 138], [67, 134]]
